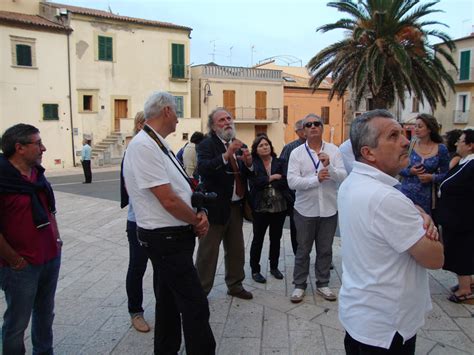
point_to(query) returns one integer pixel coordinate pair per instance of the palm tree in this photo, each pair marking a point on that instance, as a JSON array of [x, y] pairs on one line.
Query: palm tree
[[386, 52]]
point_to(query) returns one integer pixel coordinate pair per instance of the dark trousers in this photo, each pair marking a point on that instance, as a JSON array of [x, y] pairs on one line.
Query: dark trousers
[[294, 242], [178, 293], [138, 259], [353, 347], [86, 166], [261, 221]]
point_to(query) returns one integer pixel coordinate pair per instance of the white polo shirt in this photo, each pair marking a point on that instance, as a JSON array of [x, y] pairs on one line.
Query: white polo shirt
[[146, 166], [347, 155], [384, 290], [314, 198]]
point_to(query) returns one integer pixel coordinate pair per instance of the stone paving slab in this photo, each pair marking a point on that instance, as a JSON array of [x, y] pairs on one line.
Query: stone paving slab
[[91, 307]]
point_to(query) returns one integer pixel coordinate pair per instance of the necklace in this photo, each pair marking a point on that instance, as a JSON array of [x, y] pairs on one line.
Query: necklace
[[425, 152]]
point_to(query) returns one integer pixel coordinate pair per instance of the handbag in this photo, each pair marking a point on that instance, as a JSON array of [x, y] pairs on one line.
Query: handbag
[[272, 201], [247, 211]]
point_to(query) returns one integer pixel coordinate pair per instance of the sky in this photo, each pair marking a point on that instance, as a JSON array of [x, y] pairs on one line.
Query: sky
[[245, 32]]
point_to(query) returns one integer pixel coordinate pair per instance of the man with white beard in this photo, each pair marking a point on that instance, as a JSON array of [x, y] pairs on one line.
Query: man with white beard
[[224, 163]]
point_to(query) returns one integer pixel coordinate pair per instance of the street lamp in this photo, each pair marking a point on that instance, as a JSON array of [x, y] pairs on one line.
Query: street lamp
[[207, 92]]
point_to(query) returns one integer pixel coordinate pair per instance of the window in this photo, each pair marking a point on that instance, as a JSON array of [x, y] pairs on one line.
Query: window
[[23, 52], [464, 66], [462, 102], [177, 61], [50, 112], [325, 114], [87, 102], [179, 106], [185, 136], [285, 114], [105, 48], [415, 105], [23, 55], [369, 104]]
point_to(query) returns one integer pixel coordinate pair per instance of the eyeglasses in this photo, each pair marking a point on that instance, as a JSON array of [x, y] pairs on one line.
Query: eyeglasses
[[314, 123], [38, 143]]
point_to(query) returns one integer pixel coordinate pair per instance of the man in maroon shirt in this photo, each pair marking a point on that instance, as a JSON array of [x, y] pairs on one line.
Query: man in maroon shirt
[[30, 247]]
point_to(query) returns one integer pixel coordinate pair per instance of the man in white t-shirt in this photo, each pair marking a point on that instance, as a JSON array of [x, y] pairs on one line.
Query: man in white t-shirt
[[167, 227], [387, 244]]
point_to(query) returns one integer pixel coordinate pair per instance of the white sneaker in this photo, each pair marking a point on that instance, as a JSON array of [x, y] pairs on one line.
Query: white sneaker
[[297, 295], [326, 293]]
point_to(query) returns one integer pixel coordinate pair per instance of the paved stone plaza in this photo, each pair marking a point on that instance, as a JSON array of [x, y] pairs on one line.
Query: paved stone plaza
[[91, 306]]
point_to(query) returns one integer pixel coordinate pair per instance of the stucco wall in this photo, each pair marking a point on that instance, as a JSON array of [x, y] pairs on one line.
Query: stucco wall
[[142, 56], [24, 90]]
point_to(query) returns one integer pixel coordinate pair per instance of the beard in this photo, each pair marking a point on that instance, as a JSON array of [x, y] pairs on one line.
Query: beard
[[226, 134]]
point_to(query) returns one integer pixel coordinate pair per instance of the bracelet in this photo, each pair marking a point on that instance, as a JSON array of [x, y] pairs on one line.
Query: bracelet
[[19, 262]]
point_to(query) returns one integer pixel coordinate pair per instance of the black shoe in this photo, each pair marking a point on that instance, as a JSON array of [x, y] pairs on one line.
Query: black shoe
[[332, 266], [277, 274], [258, 277], [243, 294]]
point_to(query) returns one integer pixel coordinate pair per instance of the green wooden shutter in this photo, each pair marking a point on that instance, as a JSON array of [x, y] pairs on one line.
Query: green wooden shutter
[[177, 60], [465, 65], [50, 112], [23, 55], [109, 48], [179, 106], [106, 48]]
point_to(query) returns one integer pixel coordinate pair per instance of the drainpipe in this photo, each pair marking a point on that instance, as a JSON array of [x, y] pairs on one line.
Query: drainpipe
[[70, 98]]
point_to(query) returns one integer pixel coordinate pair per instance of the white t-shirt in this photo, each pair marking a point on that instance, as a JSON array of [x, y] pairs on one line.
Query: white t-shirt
[[147, 166], [314, 198], [384, 290]]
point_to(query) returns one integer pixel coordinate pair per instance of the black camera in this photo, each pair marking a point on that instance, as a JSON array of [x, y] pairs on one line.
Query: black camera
[[202, 199]]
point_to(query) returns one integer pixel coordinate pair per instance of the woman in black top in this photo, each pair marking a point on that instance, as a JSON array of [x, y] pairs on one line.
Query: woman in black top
[[269, 198], [456, 205]]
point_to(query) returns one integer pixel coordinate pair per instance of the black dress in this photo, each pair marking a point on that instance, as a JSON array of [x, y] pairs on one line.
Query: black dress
[[456, 217]]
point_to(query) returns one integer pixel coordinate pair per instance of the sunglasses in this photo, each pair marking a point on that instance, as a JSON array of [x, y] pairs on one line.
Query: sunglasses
[[315, 124]]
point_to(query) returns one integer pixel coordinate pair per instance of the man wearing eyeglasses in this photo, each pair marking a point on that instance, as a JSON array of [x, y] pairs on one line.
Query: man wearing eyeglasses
[[30, 247], [315, 170]]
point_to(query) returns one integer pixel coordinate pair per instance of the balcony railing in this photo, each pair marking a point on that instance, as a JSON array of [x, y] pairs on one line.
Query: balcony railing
[[217, 71], [466, 77], [461, 116], [179, 72], [255, 115]]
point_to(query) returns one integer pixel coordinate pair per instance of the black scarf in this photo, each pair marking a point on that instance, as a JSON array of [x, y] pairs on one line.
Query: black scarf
[[11, 182]]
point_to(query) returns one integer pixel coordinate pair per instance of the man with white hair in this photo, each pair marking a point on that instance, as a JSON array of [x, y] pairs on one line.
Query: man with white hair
[[387, 244], [223, 164], [315, 171], [167, 227]]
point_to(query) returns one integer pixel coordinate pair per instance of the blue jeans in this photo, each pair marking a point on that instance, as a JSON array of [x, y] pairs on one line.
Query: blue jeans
[[136, 269], [29, 293]]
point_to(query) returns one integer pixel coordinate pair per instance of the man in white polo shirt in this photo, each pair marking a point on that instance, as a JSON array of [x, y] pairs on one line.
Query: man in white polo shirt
[[315, 171], [387, 244], [167, 227]]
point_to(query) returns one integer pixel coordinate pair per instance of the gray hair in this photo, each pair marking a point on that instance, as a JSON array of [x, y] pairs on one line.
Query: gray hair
[[157, 102], [311, 115], [299, 125], [210, 118], [363, 133]]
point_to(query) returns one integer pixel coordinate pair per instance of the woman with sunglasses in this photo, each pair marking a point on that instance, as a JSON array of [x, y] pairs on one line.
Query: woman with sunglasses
[[429, 163], [269, 197]]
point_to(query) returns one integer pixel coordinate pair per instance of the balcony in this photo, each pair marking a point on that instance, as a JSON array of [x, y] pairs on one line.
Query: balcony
[[254, 115], [179, 72], [217, 71], [461, 116], [467, 79]]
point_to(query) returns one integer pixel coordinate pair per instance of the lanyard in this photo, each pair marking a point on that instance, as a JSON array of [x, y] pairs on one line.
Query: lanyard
[[178, 166], [316, 166]]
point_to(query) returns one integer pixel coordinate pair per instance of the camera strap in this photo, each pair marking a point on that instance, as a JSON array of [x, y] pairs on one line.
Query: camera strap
[[167, 152]]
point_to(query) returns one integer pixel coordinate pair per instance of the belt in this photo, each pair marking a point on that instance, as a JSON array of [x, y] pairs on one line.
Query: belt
[[168, 230], [238, 202]]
